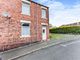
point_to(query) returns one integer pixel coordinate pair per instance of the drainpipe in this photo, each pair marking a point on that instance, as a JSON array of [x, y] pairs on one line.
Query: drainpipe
[[36, 21]]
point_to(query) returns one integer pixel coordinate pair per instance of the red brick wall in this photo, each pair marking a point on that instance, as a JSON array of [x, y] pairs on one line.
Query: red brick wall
[[10, 29]]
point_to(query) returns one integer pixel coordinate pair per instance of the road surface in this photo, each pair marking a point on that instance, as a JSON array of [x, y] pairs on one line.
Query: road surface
[[64, 51]]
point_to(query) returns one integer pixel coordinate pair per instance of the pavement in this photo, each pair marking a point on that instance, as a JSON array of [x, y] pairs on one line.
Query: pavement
[[19, 53]]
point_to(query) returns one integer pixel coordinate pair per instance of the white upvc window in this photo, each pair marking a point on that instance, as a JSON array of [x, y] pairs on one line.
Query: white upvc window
[[25, 29], [25, 8], [43, 13]]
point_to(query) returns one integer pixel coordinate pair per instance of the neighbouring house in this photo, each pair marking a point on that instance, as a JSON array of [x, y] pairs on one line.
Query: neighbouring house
[[22, 22], [50, 26], [73, 24]]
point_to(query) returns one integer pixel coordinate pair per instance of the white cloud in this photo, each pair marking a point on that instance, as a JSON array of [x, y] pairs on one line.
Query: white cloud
[[60, 15], [56, 5]]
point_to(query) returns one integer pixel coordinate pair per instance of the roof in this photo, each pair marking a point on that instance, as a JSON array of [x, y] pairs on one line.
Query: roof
[[40, 4]]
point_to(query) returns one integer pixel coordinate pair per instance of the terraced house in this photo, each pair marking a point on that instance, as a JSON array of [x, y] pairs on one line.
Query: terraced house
[[22, 22]]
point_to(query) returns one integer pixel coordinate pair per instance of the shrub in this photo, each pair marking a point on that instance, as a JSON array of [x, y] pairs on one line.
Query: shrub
[[50, 36], [66, 30]]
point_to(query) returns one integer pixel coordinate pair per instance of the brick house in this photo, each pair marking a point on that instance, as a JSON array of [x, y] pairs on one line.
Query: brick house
[[22, 22]]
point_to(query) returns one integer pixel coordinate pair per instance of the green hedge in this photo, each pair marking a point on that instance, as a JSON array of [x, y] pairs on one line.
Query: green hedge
[[66, 30]]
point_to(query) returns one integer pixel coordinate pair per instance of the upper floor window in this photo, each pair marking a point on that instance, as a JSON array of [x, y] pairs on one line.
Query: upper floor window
[[25, 8], [43, 13]]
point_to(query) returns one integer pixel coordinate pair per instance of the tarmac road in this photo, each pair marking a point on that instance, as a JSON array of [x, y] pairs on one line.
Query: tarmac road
[[64, 51]]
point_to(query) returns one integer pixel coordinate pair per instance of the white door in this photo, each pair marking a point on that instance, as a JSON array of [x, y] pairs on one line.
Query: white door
[[43, 32]]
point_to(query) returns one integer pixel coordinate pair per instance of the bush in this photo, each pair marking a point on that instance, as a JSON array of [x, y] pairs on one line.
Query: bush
[[66, 30], [50, 36]]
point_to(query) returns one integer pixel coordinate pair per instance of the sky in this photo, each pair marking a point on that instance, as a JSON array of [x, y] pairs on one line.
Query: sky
[[62, 12]]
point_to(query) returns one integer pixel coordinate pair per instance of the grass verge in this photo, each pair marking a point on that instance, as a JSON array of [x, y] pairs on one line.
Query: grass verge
[[56, 36]]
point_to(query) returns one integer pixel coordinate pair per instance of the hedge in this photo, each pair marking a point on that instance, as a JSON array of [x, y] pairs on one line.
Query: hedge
[[66, 30]]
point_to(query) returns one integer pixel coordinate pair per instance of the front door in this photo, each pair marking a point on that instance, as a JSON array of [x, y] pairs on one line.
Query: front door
[[43, 32]]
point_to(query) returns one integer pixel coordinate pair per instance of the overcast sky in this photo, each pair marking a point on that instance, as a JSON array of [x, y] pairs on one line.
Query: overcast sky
[[62, 11]]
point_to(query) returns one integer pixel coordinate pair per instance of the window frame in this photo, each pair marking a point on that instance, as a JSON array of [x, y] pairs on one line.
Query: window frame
[[27, 22], [43, 8], [27, 3]]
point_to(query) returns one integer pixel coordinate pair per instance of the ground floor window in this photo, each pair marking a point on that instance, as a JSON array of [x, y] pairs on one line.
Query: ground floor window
[[25, 29]]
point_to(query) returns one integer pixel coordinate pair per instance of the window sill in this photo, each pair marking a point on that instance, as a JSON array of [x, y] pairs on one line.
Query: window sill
[[24, 36], [43, 18], [44, 24]]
